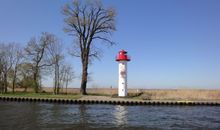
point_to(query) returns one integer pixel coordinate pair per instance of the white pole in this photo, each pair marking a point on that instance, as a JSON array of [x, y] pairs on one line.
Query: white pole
[[122, 83]]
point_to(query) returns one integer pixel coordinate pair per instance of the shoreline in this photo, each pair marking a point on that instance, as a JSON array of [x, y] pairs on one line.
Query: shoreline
[[109, 96], [144, 94], [110, 101]]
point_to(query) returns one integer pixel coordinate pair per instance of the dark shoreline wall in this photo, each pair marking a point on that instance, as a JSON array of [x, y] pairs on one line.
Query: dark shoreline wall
[[113, 102]]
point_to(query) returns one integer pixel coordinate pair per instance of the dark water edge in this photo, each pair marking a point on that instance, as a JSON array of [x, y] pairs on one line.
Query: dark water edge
[[26, 116]]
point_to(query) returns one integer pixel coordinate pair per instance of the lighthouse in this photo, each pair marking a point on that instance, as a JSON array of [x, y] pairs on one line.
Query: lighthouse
[[122, 58]]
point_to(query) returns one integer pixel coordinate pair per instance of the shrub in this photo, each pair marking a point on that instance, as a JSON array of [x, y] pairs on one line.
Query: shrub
[[147, 96]]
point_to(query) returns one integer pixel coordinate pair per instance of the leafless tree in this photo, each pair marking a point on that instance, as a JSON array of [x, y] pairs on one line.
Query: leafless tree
[[55, 50], [18, 56], [7, 60], [37, 54], [88, 23], [66, 75], [1, 69]]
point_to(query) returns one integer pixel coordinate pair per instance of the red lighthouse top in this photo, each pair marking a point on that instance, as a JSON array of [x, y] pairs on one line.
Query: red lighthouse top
[[122, 56]]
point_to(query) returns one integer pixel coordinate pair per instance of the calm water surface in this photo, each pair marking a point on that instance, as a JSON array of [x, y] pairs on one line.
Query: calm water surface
[[30, 116]]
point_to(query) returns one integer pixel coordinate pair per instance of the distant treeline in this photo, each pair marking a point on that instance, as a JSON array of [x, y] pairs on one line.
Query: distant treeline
[[25, 66]]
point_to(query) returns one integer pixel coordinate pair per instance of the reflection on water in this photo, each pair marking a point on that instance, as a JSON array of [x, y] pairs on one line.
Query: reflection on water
[[14, 115], [120, 114]]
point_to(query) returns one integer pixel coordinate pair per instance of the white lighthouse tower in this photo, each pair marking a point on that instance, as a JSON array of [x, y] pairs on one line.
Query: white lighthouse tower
[[122, 59]]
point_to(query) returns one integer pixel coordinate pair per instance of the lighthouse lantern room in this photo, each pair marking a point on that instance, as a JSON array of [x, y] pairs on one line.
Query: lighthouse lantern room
[[122, 58]]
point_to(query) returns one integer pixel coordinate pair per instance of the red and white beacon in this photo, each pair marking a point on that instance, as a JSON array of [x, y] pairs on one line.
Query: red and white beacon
[[122, 58]]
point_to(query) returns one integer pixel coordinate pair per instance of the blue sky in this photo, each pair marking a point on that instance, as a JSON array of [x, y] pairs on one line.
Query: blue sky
[[172, 43]]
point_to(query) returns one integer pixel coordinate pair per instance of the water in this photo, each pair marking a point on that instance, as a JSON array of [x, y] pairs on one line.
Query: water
[[25, 115]]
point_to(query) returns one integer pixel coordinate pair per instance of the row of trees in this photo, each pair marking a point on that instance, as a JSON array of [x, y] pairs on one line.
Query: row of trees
[[88, 23], [25, 67]]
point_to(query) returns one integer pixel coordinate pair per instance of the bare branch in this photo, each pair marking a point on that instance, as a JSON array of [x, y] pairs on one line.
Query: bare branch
[[104, 39], [88, 23], [37, 53]]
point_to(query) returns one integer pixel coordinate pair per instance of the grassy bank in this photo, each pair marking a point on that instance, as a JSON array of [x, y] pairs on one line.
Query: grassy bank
[[137, 94], [42, 95]]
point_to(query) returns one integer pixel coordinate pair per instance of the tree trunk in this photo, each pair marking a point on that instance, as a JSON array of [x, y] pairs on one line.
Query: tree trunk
[[84, 78], [14, 80], [25, 89], [13, 85], [66, 85], [5, 83], [55, 80], [1, 83], [35, 82], [58, 79]]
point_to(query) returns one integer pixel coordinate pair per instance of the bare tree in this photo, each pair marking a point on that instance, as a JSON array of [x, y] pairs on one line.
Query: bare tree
[[7, 60], [88, 23], [55, 50], [37, 53], [66, 75], [1, 69], [18, 56]]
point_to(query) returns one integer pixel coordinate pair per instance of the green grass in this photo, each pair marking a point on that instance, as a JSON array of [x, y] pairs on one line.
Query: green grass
[[98, 94], [42, 95], [61, 96]]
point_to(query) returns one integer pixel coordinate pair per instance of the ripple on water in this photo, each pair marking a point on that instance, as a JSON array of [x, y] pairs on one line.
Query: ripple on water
[[59, 116]]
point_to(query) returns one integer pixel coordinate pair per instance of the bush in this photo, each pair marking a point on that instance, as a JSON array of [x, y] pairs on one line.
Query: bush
[[135, 94], [147, 96], [114, 96], [26, 83]]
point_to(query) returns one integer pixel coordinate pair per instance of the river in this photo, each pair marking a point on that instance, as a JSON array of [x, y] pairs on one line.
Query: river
[[27, 116]]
